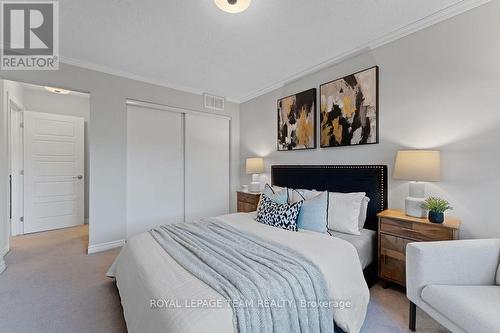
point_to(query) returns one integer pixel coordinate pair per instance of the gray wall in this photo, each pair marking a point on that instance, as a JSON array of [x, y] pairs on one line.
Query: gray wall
[[73, 104], [107, 137], [439, 89]]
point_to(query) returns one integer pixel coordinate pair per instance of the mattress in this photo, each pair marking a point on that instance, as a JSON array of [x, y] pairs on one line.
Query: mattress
[[365, 244], [145, 272]]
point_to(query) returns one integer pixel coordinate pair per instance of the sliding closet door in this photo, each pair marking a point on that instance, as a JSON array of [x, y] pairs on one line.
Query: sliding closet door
[[155, 168], [206, 166]]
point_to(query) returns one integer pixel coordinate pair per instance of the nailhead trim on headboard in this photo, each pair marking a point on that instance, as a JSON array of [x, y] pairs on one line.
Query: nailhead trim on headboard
[[381, 176]]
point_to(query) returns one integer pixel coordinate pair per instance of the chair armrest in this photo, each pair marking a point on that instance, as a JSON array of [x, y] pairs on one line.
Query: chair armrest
[[462, 262]]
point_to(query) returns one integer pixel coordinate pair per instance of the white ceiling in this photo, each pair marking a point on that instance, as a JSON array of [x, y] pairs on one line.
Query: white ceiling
[[194, 46]]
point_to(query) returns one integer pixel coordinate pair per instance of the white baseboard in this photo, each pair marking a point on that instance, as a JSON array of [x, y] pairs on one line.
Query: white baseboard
[[2, 265], [105, 246], [4, 251]]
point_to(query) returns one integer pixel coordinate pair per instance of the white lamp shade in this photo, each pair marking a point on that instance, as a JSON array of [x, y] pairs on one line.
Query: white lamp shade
[[418, 165], [233, 7], [255, 165]]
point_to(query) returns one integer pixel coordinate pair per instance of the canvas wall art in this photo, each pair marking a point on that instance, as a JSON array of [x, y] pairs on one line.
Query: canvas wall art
[[297, 121], [349, 110]]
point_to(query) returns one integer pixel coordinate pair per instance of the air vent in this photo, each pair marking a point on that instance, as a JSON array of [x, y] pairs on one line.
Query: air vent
[[213, 102]]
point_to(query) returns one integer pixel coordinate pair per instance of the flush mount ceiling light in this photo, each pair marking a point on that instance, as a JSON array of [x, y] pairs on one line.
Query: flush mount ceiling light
[[233, 6], [57, 90]]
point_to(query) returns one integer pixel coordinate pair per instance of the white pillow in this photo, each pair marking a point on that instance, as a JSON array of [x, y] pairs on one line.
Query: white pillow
[[362, 212], [343, 212], [295, 195]]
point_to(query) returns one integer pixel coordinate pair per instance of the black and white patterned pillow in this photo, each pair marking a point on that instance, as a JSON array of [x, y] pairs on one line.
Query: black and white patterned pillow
[[278, 215]]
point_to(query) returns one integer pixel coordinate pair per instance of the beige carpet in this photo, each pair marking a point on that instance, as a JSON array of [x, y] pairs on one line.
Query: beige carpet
[[52, 286]]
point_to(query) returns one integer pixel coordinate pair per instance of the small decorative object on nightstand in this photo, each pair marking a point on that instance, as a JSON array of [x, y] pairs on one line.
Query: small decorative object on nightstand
[[396, 230], [247, 201], [436, 208]]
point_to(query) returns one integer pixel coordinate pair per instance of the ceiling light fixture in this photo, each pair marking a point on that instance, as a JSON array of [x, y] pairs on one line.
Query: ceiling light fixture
[[233, 6], [57, 90]]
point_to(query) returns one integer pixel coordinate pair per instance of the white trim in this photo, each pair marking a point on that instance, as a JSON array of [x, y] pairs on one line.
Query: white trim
[[155, 106], [145, 79], [3, 266], [105, 246], [15, 130], [442, 15], [4, 251]]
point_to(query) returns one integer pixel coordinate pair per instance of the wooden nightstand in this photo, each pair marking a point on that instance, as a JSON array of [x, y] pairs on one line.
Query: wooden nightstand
[[248, 201], [396, 230]]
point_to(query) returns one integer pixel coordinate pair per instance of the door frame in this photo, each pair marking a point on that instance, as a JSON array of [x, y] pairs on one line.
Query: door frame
[[15, 114]]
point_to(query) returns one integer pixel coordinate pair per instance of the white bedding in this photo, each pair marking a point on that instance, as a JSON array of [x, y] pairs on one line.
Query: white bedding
[[364, 244], [144, 271]]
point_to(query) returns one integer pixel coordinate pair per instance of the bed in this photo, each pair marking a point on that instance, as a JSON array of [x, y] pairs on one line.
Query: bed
[[371, 179], [144, 272]]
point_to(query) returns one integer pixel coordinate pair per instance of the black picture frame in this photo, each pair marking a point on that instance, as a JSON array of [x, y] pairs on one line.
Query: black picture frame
[[308, 98], [349, 78]]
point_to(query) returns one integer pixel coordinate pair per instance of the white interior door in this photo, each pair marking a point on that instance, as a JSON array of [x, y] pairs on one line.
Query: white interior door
[[53, 171], [207, 166], [155, 168]]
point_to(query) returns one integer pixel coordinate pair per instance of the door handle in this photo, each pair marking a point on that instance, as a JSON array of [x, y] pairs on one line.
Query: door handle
[[78, 177]]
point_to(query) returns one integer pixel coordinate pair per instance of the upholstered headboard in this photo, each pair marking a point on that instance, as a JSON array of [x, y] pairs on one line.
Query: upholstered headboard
[[371, 179]]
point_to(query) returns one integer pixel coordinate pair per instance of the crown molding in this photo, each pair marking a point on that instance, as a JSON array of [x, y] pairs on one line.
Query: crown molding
[[442, 15], [128, 75]]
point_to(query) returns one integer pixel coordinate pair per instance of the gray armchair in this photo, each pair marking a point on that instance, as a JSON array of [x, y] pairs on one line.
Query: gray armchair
[[455, 282]]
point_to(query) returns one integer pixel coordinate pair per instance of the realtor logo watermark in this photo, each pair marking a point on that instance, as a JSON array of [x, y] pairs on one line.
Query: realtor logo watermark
[[30, 35]]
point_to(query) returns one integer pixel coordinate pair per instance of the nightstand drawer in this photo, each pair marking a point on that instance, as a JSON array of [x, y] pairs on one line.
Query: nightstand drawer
[[392, 265], [245, 207], [248, 197], [396, 230], [417, 231], [248, 202]]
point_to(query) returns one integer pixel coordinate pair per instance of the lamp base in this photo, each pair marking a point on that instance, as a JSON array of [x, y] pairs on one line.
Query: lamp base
[[413, 207], [255, 184]]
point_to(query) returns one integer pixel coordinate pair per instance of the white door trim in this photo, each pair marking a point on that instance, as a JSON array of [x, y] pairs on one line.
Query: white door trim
[[15, 167], [156, 106]]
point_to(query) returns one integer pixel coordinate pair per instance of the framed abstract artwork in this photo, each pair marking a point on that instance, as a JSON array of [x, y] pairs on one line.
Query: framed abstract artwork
[[297, 121], [349, 110]]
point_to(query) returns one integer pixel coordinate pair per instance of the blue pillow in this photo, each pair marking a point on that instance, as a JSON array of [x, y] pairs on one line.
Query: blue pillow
[[280, 196], [313, 214]]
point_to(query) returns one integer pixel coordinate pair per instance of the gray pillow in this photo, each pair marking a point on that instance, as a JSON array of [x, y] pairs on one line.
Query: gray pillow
[[278, 194]]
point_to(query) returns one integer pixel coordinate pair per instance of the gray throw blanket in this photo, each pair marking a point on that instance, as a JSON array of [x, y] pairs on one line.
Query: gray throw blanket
[[270, 288]]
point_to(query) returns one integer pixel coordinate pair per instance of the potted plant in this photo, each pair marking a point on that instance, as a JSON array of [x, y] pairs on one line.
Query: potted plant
[[436, 207]]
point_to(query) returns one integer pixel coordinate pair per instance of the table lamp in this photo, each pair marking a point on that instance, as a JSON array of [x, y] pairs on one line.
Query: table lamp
[[417, 166], [255, 166]]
